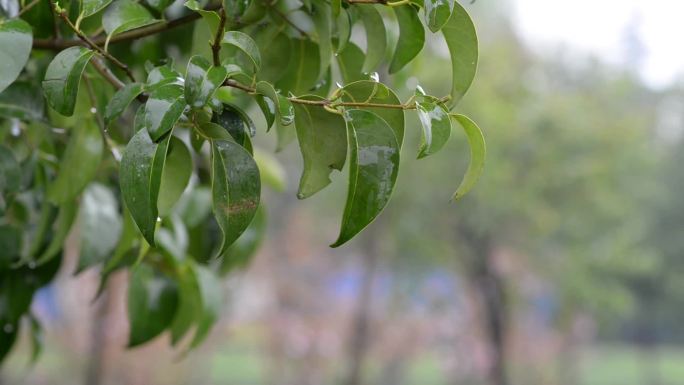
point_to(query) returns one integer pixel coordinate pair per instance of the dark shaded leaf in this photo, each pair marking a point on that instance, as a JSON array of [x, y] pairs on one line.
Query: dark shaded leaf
[[121, 99], [19, 101]]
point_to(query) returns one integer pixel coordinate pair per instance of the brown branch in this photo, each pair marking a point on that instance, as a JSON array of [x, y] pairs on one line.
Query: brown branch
[[60, 44], [216, 45]]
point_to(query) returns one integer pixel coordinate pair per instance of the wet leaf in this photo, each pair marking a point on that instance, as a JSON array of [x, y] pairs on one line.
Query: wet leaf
[[376, 36], [437, 13], [350, 62], [373, 92], [91, 7], [79, 164], [121, 99], [100, 225], [373, 167], [63, 76], [411, 37], [302, 72], [16, 39], [434, 119], [163, 109], [461, 39], [323, 142], [201, 81], [175, 176], [241, 252], [236, 189], [244, 43], [125, 15], [142, 165], [478, 153], [283, 107]]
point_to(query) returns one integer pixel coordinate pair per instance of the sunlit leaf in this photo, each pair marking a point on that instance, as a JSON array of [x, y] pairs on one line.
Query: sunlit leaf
[[461, 39], [63, 76], [16, 39], [373, 168], [79, 164], [478, 153], [142, 165], [411, 37], [322, 139]]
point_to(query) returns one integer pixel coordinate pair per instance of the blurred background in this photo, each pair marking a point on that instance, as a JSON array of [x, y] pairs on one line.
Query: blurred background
[[563, 266]]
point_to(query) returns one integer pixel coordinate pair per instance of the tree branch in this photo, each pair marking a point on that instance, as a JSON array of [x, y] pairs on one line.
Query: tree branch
[[216, 45]]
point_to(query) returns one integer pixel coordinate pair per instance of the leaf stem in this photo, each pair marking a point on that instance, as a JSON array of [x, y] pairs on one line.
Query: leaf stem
[[28, 7]]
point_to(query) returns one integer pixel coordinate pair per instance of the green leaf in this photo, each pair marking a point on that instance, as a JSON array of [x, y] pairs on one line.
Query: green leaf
[[161, 76], [16, 40], [10, 243], [61, 227], [373, 167], [63, 76], [100, 225], [323, 142], [343, 25], [373, 92], [271, 170], [152, 304], [236, 189], [244, 43], [121, 99], [231, 120], [190, 301], [478, 153], [247, 126], [411, 37], [210, 287], [91, 7], [434, 118], [244, 248], [175, 176], [125, 15], [283, 107], [275, 48], [79, 164], [10, 175], [212, 18], [142, 165], [234, 8], [350, 62], [8, 335], [437, 13], [159, 5], [163, 109], [36, 333], [201, 81], [302, 72], [461, 39], [376, 36], [321, 16], [19, 101]]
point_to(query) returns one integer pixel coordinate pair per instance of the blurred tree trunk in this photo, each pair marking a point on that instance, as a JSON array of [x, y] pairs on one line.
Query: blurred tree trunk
[[489, 285], [360, 328]]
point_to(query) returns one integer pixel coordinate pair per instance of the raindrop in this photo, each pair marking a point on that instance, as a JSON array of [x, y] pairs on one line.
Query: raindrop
[[375, 77], [338, 84], [158, 219], [420, 89], [93, 110]]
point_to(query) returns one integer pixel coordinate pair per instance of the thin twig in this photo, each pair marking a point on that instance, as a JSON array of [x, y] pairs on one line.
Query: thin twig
[[216, 45], [60, 44], [28, 7]]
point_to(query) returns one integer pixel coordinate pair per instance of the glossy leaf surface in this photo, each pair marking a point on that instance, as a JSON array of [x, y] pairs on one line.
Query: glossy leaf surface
[[121, 99], [436, 123], [79, 164], [411, 37], [373, 168], [322, 139], [461, 39], [236, 189], [376, 36], [16, 38], [91, 7], [244, 43], [152, 304], [124, 15], [175, 176], [372, 92], [141, 170], [163, 109], [478, 153], [201, 81], [437, 13], [63, 76]]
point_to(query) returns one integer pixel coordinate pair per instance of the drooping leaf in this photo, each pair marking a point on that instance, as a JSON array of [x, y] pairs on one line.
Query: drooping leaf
[[461, 39], [283, 107], [372, 92], [61, 227], [121, 99], [163, 109], [239, 253], [350, 62], [343, 27], [411, 37], [210, 287], [79, 164], [175, 176], [142, 165], [189, 301], [248, 124], [16, 39], [232, 122], [152, 304], [100, 225], [236, 189], [434, 118], [437, 13], [321, 16], [63, 76], [91, 7], [302, 72], [323, 142], [125, 15], [373, 167], [275, 48], [201, 81], [212, 18], [244, 43], [19, 101], [376, 36], [478, 153]]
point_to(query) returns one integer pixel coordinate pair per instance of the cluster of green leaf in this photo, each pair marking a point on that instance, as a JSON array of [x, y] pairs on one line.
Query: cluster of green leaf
[[161, 175]]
